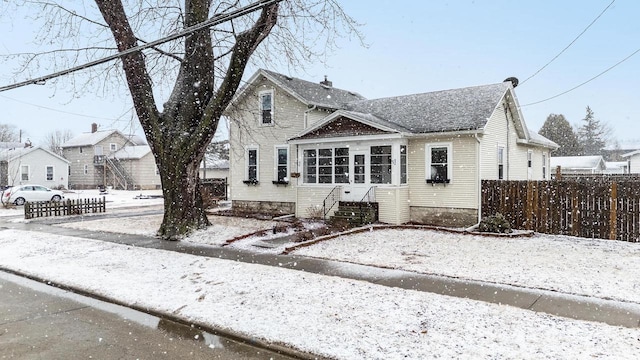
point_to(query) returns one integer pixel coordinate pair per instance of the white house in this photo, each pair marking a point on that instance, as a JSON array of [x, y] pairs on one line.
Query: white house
[[33, 165], [633, 161], [594, 164], [138, 166], [297, 146]]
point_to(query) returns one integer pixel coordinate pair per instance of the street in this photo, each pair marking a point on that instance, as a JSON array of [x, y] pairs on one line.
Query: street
[[38, 321]]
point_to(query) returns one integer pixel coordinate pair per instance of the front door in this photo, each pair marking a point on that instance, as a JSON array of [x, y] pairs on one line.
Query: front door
[[358, 177]]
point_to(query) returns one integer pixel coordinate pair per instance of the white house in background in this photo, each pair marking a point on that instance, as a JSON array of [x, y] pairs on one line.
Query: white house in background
[[213, 167], [579, 164], [33, 165], [138, 166], [616, 167], [633, 161], [296, 145]]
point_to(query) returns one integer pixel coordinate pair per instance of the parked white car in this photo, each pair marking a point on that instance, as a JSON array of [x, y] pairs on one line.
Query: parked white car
[[23, 193]]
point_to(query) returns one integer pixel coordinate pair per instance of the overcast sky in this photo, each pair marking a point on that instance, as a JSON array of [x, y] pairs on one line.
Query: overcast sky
[[422, 46]]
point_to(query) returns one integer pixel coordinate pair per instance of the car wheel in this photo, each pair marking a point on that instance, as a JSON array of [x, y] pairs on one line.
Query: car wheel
[[19, 201], [56, 198]]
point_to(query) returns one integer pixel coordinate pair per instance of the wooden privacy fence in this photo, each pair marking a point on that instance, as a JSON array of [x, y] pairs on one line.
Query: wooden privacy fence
[[67, 207], [606, 209]]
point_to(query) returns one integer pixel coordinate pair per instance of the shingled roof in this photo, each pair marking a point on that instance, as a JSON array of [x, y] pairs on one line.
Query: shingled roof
[[439, 111], [311, 93]]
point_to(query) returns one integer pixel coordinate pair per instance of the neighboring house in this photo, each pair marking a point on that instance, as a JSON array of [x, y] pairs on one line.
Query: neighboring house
[[90, 164], [633, 161], [212, 167], [421, 158], [33, 165], [616, 167], [571, 165], [138, 166]]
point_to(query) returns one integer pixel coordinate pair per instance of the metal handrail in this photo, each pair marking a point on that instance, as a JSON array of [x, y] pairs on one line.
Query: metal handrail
[[368, 198], [333, 197], [118, 172]]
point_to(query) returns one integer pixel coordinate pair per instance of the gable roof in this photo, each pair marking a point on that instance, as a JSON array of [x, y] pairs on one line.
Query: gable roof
[[438, 111], [578, 162], [15, 153], [630, 153], [93, 138], [307, 92]]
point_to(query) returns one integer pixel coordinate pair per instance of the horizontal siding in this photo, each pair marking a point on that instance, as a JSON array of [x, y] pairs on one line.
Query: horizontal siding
[[311, 197], [461, 192], [393, 205], [38, 161]]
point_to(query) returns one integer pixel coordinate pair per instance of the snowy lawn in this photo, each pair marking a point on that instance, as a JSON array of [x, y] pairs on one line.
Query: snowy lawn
[[328, 316], [601, 268]]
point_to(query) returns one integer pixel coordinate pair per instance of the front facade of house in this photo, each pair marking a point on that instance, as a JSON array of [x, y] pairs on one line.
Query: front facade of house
[[88, 154], [33, 165], [633, 161], [579, 165], [304, 143]]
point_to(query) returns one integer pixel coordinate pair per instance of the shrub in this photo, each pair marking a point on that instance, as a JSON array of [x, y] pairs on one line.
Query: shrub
[[495, 224], [315, 212]]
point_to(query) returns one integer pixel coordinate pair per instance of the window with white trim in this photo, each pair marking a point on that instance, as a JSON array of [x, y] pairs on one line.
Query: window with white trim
[[49, 173], [529, 159], [381, 164], [544, 166], [403, 164], [266, 107], [24, 172], [438, 163], [500, 162], [86, 169], [251, 159], [326, 166], [282, 164], [113, 147]]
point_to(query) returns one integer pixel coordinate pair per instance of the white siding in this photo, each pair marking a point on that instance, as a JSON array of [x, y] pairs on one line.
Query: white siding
[[634, 164], [461, 192], [393, 205], [246, 130], [37, 161]]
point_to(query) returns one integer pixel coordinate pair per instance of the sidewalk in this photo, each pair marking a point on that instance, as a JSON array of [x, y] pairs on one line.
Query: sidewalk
[[571, 306]]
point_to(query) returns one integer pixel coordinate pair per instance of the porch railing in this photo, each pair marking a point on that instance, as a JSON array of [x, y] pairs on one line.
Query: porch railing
[[330, 201], [366, 200]]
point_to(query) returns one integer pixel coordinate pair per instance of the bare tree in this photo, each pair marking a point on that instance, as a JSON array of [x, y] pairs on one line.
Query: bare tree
[[8, 133], [55, 139], [203, 70]]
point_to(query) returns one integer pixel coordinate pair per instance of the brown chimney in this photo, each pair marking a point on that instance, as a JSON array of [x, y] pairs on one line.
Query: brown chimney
[[94, 127]]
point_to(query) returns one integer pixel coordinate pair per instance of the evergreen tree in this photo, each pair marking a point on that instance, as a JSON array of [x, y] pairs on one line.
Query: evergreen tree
[[557, 129], [592, 135]]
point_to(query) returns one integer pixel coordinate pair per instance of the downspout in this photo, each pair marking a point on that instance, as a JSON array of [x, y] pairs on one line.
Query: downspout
[[507, 160], [478, 181]]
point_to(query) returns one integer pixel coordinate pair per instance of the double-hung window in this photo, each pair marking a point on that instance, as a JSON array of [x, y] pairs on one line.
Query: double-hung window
[[266, 107], [310, 166], [438, 163], [49, 173], [251, 165], [403, 164], [24, 172], [544, 166], [282, 164], [325, 166], [342, 165]]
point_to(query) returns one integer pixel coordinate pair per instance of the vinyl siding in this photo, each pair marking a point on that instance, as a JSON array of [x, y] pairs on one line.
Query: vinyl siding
[[461, 192], [38, 160], [143, 172], [634, 164], [310, 197], [393, 205], [246, 131]]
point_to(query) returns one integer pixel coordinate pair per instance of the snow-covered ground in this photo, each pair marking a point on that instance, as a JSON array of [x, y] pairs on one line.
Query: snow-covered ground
[[328, 316], [348, 319]]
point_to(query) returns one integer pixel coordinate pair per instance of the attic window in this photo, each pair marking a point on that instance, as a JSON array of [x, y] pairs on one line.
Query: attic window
[[266, 107]]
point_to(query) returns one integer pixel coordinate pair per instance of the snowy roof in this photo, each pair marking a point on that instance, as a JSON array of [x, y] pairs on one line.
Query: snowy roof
[[631, 153], [132, 152], [578, 162], [438, 111], [213, 161], [92, 138], [616, 164], [14, 153], [310, 93], [536, 138]]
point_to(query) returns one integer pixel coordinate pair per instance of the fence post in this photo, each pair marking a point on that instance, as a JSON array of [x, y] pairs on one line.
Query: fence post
[[528, 208], [614, 211]]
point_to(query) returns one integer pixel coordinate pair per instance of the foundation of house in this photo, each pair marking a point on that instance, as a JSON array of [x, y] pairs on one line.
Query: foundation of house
[[264, 207], [450, 217]]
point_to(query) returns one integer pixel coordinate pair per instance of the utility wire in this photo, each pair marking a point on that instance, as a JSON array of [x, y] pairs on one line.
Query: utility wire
[[593, 78], [215, 20], [56, 110], [571, 43]]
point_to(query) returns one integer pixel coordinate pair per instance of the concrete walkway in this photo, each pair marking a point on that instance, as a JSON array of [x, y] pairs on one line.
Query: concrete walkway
[[566, 305]]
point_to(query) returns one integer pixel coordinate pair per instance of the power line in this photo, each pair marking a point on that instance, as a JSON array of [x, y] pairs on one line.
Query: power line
[[571, 43], [57, 110], [215, 20], [593, 78]]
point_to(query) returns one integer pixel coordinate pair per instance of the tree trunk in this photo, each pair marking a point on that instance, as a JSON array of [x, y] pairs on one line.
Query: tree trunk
[[183, 205]]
